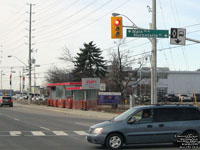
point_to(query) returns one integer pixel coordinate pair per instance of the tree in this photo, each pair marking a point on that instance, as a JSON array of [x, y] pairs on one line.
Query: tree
[[89, 63], [121, 78], [56, 75]]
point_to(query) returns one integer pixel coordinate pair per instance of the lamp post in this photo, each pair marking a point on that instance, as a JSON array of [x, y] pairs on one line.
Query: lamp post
[[1, 78], [154, 52], [35, 78], [29, 90]]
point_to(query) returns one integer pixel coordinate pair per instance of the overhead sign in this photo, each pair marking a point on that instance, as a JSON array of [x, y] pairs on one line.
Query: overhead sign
[[145, 33], [177, 36], [90, 83]]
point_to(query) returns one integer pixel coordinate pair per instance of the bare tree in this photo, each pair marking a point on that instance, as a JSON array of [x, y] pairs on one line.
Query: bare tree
[[67, 56], [56, 75], [121, 77]]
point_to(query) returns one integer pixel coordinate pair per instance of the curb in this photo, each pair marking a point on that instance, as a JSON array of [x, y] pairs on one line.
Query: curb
[[87, 114]]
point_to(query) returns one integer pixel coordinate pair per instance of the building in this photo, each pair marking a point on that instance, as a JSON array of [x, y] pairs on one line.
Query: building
[[172, 82]]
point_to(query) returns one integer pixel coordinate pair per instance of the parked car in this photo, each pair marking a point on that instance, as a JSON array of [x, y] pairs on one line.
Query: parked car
[[186, 98], [172, 98], [6, 100], [147, 124]]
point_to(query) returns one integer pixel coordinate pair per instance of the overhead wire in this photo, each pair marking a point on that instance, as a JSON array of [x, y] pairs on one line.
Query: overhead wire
[[172, 58], [72, 23], [66, 18], [83, 27]]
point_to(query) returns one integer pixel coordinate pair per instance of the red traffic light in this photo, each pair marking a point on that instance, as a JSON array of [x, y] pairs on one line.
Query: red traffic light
[[117, 22]]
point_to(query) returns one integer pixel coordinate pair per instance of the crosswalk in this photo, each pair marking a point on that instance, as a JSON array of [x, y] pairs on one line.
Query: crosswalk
[[43, 133]]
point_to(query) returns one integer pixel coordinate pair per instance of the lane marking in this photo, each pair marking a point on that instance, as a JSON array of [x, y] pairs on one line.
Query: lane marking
[[16, 119], [60, 133], [44, 128], [15, 133], [82, 124], [80, 132], [37, 133]]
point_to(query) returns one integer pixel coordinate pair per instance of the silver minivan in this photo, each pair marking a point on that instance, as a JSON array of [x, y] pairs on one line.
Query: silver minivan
[[149, 124]]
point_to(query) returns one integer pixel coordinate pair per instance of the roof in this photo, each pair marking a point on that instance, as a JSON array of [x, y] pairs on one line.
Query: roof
[[164, 106], [66, 83]]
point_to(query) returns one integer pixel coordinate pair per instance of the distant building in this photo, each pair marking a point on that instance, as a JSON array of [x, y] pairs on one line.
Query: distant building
[[172, 82]]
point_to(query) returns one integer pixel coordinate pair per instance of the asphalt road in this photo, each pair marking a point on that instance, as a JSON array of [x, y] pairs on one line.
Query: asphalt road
[[23, 128]]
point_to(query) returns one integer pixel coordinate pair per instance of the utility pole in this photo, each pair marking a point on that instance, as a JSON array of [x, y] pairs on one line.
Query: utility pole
[[29, 61], [20, 80], [154, 58]]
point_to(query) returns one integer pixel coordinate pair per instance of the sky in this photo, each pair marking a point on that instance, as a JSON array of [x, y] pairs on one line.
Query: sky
[[60, 24]]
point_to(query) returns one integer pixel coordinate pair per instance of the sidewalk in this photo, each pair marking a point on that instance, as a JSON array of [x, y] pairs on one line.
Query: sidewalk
[[88, 113]]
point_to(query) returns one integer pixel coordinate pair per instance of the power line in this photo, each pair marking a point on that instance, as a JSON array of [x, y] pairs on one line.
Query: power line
[[85, 26]]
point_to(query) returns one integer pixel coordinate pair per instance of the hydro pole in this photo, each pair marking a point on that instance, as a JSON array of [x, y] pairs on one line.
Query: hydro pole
[[29, 61], [154, 58]]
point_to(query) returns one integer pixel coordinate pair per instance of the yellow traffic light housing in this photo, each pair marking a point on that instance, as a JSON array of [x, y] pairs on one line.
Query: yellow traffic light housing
[[116, 28]]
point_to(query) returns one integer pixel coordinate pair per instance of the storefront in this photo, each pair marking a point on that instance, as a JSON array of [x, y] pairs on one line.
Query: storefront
[[75, 95]]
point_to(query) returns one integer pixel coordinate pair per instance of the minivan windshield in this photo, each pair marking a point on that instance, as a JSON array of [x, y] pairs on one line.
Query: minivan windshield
[[125, 114]]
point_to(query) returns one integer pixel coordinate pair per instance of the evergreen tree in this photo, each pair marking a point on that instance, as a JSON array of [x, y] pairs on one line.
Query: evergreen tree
[[89, 63]]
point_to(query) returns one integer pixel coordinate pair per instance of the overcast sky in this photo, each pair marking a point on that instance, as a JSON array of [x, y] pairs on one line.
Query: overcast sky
[[70, 23]]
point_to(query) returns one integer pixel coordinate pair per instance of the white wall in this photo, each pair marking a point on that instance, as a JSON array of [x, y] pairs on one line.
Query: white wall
[[184, 82]]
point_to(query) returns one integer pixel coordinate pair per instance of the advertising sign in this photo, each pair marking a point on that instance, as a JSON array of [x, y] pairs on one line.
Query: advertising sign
[[91, 83], [109, 98]]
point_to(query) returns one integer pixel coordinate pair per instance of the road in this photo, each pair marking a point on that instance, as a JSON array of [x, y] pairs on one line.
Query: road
[[23, 128]]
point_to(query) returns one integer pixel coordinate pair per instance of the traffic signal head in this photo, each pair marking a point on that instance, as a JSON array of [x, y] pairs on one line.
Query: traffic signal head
[[116, 28]]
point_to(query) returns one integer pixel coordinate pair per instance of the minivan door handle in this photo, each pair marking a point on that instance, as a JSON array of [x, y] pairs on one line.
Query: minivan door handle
[[161, 125], [149, 126]]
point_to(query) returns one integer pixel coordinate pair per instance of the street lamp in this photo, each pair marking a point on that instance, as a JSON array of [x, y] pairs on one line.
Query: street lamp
[[29, 99], [9, 56], [134, 26]]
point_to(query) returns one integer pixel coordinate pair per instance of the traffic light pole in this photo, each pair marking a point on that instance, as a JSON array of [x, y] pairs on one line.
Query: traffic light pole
[[154, 58]]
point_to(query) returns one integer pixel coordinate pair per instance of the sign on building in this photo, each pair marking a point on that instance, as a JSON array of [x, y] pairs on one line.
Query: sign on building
[[177, 36], [102, 87], [109, 98], [91, 83]]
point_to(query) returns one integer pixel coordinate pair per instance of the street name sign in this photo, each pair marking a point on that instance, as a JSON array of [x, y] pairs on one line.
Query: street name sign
[[146, 33], [177, 36]]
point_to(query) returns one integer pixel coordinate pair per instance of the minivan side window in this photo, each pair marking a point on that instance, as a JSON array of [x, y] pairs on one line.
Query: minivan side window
[[167, 114], [144, 116], [191, 114]]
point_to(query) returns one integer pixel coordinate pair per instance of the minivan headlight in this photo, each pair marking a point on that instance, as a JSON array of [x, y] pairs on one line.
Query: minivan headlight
[[98, 131]]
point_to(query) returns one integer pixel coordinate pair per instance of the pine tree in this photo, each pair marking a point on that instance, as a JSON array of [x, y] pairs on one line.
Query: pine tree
[[89, 63]]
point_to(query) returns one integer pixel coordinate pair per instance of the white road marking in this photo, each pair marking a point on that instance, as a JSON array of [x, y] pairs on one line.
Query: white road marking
[[15, 133], [16, 119], [80, 132], [44, 128], [37, 133], [60, 133], [83, 124]]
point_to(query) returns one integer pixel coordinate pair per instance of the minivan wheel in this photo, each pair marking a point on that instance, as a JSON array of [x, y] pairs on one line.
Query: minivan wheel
[[114, 141]]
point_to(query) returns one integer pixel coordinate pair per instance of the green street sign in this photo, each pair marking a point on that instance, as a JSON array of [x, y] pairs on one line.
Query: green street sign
[[145, 33]]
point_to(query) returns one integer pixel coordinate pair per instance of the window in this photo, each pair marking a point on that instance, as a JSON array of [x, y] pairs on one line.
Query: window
[[143, 116], [191, 114], [167, 114]]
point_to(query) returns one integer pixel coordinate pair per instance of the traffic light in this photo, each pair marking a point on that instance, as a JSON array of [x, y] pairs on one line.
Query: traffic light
[[116, 28]]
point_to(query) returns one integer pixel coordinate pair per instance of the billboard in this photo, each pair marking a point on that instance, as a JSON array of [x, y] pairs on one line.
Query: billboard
[[91, 83], [109, 98]]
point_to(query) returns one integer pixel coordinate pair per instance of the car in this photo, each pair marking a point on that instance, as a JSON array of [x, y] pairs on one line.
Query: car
[[6, 100], [148, 124]]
